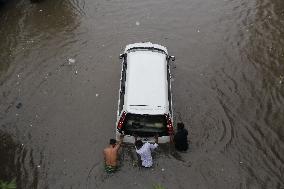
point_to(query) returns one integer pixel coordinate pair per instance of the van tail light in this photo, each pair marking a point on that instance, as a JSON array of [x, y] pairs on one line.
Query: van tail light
[[121, 121], [169, 124]]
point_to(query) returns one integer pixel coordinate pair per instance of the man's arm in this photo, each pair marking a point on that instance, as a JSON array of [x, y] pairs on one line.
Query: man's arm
[[117, 146], [135, 137], [153, 146]]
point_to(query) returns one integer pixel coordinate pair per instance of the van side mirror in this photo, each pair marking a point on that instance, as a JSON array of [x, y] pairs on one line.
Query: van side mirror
[[121, 56], [173, 58]]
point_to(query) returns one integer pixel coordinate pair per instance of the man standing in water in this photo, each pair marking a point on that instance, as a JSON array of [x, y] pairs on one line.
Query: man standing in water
[[144, 150], [111, 154], [180, 138]]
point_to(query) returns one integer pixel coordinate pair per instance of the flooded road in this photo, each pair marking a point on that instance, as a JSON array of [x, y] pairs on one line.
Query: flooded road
[[59, 81]]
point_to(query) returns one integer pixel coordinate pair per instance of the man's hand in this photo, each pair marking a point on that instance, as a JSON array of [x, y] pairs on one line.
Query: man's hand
[[156, 138], [135, 136], [121, 138], [171, 138], [120, 141]]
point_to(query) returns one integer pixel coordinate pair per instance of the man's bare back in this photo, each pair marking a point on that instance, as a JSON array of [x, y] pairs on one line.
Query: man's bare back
[[111, 153]]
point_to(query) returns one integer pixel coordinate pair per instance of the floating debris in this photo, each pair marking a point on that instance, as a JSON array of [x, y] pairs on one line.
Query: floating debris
[[137, 23], [76, 72], [163, 169], [40, 10], [97, 94], [71, 60], [38, 166], [198, 31]]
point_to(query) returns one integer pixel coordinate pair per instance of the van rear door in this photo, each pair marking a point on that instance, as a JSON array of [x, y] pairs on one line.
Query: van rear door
[[145, 125]]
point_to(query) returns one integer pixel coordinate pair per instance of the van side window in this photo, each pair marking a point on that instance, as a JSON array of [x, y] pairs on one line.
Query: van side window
[[122, 85], [169, 87]]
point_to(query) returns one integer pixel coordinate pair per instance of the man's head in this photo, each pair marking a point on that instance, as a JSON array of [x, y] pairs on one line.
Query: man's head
[[180, 126], [138, 144], [112, 142]]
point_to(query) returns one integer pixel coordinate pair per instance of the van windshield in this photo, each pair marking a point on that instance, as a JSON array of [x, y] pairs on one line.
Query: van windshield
[[145, 125]]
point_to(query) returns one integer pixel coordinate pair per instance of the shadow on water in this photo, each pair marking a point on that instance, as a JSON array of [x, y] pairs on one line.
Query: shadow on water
[[8, 150], [17, 162], [5, 44]]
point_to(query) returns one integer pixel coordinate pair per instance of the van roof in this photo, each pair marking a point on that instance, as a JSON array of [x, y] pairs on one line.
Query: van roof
[[146, 86]]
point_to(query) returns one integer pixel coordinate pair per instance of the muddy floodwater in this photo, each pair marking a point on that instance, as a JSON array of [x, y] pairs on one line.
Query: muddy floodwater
[[59, 82]]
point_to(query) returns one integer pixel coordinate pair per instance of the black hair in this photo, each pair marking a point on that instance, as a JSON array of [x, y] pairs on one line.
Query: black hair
[[112, 141], [138, 144], [180, 126]]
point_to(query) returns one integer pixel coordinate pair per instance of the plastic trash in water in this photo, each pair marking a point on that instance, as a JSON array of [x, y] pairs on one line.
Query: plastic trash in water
[[137, 23], [281, 79]]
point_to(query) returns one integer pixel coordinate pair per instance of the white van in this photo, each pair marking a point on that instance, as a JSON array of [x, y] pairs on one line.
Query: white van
[[145, 99]]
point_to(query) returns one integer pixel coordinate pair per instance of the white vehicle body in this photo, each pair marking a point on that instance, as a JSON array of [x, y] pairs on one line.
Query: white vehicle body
[[145, 100]]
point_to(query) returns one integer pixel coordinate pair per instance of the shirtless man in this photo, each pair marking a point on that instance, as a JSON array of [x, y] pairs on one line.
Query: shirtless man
[[110, 155]]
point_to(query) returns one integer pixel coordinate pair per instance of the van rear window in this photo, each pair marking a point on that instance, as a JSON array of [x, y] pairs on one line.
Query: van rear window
[[151, 124]]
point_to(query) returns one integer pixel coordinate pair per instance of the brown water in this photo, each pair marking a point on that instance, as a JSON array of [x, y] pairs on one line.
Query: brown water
[[228, 89]]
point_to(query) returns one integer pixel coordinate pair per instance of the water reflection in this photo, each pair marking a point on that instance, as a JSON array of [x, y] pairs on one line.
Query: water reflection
[[227, 89], [264, 50], [252, 95], [25, 25]]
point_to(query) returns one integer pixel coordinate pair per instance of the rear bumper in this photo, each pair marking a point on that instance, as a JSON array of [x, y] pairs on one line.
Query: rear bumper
[[131, 139]]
